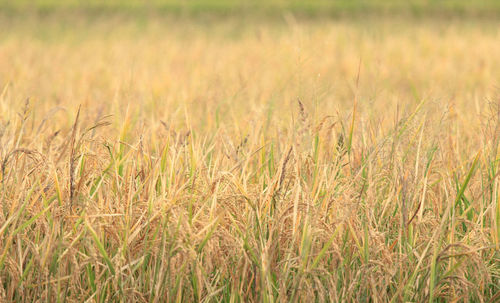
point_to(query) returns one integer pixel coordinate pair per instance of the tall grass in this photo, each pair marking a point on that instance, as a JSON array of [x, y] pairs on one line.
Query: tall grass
[[270, 164]]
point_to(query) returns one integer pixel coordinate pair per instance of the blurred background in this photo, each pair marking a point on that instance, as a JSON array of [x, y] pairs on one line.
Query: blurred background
[[305, 7]]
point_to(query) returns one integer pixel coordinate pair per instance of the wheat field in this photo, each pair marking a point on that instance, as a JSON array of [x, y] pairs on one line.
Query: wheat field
[[294, 160]]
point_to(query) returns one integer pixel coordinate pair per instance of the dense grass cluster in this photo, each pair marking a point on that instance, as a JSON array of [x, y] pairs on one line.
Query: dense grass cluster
[[303, 161]]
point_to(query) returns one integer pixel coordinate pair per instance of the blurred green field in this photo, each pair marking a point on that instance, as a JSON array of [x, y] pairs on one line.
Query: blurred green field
[[311, 7]]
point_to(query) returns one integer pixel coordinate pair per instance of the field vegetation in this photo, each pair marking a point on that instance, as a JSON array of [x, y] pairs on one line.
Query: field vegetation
[[241, 159], [268, 7]]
